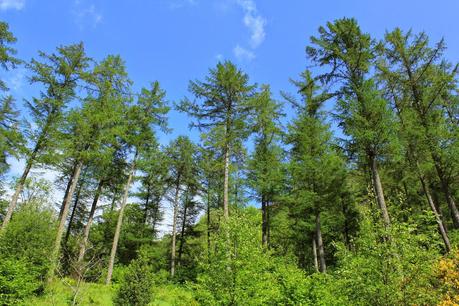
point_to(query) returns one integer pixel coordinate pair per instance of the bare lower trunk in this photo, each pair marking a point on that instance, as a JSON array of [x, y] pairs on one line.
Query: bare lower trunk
[[65, 210], [268, 224], [379, 190], [208, 224], [174, 229], [264, 222], [182, 233], [119, 223], [441, 227], [19, 188], [320, 245], [314, 253], [72, 215], [446, 190], [87, 228], [226, 184]]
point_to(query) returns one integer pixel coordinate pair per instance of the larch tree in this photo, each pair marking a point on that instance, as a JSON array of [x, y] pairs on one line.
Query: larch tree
[[181, 154], [265, 169], [222, 101], [316, 169], [363, 114], [147, 113], [10, 135], [425, 82], [59, 73]]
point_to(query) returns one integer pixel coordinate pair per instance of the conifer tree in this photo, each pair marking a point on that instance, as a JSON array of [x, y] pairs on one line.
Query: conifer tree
[[59, 73], [149, 111], [265, 166], [363, 114], [222, 102]]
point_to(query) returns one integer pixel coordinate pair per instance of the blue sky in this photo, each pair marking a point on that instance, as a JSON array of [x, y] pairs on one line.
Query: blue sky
[[174, 41]]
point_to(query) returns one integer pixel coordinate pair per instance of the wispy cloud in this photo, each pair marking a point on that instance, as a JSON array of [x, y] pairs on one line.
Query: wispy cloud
[[12, 4], [243, 54], [255, 23], [17, 79], [86, 14]]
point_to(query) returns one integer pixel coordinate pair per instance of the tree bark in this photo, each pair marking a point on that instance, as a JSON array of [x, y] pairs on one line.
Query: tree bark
[[320, 245], [72, 215], [174, 228], [441, 227], [119, 223], [314, 253], [65, 210], [379, 190], [87, 228], [264, 222], [226, 184], [182, 233], [268, 223]]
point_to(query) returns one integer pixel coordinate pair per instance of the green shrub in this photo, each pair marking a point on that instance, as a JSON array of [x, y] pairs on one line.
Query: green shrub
[[136, 286], [25, 248]]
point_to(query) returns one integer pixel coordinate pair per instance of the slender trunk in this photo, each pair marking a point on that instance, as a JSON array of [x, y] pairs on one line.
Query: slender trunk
[[264, 232], [182, 233], [441, 227], [320, 245], [66, 193], [268, 223], [21, 182], [14, 199], [226, 184], [119, 223], [379, 190], [72, 215], [208, 224], [314, 253], [174, 228], [145, 213], [87, 228], [65, 210], [447, 192]]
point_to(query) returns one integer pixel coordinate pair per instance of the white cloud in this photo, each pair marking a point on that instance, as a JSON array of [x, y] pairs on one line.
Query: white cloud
[[12, 4], [255, 23], [85, 15], [243, 54], [17, 79]]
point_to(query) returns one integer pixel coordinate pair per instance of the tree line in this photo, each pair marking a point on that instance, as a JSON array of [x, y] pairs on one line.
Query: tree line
[[366, 171]]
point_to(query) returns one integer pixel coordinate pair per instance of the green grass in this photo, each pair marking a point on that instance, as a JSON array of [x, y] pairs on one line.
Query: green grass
[[61, 293]]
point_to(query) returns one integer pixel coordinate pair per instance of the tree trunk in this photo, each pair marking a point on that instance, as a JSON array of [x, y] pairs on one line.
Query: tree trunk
[[379, 190], [208, 223], [320, 245], [264, 222], [182, 233], [65, 210], [441, 227], [174, 229], [87, 228], [447, 192], [226, 184], [314, 253], [67, 190], [22, 180], [119, 223], [268, 224], [72, 215]]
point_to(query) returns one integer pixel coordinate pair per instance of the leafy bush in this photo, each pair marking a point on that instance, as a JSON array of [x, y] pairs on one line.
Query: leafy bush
[[393, 266], [25, 246], [241, 272], [136, 285]]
